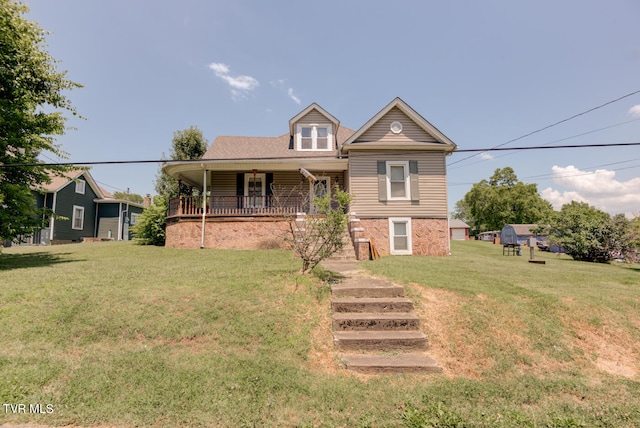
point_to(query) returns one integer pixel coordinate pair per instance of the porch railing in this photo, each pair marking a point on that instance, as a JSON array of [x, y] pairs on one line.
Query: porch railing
[[224, 206]]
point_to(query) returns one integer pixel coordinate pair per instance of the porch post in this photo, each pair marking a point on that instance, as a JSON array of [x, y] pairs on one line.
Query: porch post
[[180, 201], [204, 205]]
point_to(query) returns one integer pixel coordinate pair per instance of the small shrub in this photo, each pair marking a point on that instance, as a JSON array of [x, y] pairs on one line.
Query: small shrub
[[150, 228]]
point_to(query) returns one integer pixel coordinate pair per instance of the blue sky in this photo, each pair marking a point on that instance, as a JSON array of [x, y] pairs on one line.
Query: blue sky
[[484, 73]]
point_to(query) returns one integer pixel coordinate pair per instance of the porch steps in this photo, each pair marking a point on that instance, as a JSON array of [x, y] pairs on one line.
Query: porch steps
[[374, 325], [347, 252]]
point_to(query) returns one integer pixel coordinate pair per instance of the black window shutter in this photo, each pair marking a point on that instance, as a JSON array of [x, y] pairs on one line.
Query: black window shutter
[[382, 180], [414, 180], [240, 187]]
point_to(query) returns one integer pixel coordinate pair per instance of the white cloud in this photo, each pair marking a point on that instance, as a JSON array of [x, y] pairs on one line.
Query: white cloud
[[293, 97], [635, 111], [486, 156], [281, 85], [597, 188], [239, 85], [558, 199]]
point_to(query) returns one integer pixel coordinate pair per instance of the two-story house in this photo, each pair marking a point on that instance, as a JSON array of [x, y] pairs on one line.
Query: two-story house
[[393, 166], [83, 210]]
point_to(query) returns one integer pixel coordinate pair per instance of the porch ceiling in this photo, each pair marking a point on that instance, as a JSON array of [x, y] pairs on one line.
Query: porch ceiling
[[191, 172]]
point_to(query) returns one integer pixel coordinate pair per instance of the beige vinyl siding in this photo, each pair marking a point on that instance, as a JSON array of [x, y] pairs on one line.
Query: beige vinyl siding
[[380, 131], [223, 183], [313, 116], [363, 186], [286, 179]]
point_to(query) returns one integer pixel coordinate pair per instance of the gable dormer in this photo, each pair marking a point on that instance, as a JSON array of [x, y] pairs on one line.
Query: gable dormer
[[313, 130]]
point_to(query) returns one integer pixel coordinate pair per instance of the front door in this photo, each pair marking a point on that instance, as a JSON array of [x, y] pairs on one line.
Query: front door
[[254, 190], [319, 189]]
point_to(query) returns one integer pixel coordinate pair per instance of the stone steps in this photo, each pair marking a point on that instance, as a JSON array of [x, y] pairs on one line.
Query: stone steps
[[359, 321], [371, 316], [380, 340], [369, 287], [400, 363], [371, 304]]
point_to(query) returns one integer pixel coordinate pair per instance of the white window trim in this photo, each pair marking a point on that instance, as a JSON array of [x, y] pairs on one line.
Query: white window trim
[[314, 137], [392, 249], [80, 186], [81, 217], [407, 194], [134, 218], [248, 180]]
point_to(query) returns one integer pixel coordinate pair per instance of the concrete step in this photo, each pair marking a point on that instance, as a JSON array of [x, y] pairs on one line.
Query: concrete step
[[371, 304], [380, 340], [366, 287], [360, 321], [402, 363], [348, 252]]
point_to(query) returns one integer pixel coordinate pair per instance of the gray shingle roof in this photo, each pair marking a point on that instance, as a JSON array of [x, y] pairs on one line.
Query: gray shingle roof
[[229, 147]]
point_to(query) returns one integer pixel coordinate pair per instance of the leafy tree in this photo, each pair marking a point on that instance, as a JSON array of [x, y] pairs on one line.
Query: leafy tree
[[589, 234], [151, 224], [461, 211], [32, 101], [321, 234], [186, 144], [503, 199], [132, 197]]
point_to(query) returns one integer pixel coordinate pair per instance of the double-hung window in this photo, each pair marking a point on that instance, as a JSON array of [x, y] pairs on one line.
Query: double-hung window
[[314, 137], [78, 218], [398, 180], [400, 235]]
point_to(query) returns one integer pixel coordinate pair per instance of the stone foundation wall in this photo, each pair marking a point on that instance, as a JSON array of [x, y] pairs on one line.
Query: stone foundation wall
[[429, 236], [238, 234]]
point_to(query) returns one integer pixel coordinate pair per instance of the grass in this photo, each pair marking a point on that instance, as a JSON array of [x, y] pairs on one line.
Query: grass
[[114, 334]]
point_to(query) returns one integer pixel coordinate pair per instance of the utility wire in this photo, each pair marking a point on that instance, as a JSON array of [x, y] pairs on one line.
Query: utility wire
[[559, 140], [550, 126], [126, 162]]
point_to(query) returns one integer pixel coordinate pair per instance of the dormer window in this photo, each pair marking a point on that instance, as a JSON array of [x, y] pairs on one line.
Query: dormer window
[[314, 137]]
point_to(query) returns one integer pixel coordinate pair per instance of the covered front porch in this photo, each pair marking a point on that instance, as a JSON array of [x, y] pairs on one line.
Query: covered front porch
[[238, 206], [257, 188], [246, 204]]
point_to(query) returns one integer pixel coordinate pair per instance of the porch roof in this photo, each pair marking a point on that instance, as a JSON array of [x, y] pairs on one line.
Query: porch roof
[[192, 171]]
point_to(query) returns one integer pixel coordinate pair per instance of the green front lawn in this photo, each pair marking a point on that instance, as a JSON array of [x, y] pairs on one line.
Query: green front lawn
[[115, 334]]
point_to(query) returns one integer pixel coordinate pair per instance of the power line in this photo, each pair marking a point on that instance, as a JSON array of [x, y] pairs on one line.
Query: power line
[[551, 126], [570, 146], [561, 139], [125, 162], [579, 173], [128, 162]]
